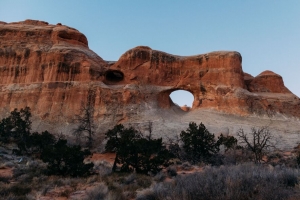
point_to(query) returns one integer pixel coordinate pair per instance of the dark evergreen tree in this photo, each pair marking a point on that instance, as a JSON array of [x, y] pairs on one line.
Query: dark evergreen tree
[[151, 157], [198, 143], [61, 158], [16, 128], [135, 152], [229, 142], [66, 160], [121, 141], [38, 142]]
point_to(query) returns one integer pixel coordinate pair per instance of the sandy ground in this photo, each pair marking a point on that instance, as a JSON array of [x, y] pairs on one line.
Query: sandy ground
[[170, 123], [6, 172], [108, 157]]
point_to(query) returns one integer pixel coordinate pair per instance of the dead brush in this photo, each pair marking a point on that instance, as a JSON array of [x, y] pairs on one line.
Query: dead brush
[[245, 181], [100, 191], [102, 168]]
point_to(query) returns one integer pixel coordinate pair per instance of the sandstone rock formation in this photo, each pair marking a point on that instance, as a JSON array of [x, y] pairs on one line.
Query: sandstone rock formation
[[185, 108], [41, 66], [51, 69], [268, 81]]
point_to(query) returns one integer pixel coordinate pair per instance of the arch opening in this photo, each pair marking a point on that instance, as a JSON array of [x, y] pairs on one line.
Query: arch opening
[[114, 75], [183, 98]]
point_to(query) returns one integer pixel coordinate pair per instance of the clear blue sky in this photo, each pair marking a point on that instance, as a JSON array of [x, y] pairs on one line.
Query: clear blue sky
[[265, 32]]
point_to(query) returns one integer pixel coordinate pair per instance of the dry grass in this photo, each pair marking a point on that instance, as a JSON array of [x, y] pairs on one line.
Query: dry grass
[[98, 192], [246, 181], [184, 181]]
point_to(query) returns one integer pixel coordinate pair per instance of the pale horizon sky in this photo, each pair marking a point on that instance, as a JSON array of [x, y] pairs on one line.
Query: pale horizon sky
[[265, 32]]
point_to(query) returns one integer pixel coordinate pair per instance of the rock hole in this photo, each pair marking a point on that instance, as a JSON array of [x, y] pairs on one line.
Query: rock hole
[[114, 75], [184, 99]]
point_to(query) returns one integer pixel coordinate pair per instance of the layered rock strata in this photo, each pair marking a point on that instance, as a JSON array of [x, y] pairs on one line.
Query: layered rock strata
[[51, 69]]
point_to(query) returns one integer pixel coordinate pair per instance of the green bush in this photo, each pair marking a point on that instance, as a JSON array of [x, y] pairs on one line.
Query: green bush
[[61, 158], [198, 143], [135, 152], [38, 142], [229, 142], [16, 128], [66, 160]]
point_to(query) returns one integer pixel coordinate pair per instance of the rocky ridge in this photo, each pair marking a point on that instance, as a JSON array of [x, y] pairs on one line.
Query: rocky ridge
[[51, 69]]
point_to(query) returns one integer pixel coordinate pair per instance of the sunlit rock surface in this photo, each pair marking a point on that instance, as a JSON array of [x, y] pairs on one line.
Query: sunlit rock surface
[[51, 69]]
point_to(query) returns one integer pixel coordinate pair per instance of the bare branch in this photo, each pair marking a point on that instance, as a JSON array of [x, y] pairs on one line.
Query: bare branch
[[86, 124], [261, 141]]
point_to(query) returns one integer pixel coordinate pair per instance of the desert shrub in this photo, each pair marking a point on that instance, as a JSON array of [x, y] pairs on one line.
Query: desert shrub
[[116, 195], [245, 181], [7, 164], [98, 192], [130, 179], [135, 152], [172, 170], [133, 182], [229, 142], [25, 172], [198, 143], [121, 140], [151, 157], [126, 185], [298, 158], [258, 141], [102, 168], [279, 159], [186, 166], [146, 194], [38, 142], [235, 156], [4, 179], [66, 193], [143, 181], [16, 128], [66, 160], [18, 191], [160, 176]]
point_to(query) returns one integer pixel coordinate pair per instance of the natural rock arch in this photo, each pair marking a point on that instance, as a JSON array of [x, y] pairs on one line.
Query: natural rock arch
[[165, 100], [54, 83], [183, 98]]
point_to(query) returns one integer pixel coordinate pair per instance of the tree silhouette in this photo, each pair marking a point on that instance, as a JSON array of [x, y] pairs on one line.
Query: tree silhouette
[[258, 141], [135, 152], [86, 126], [16, 128], [198, 143], [66, 160]]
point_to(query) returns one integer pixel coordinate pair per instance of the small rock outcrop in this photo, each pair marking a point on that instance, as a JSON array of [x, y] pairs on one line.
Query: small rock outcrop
[[268, 81]]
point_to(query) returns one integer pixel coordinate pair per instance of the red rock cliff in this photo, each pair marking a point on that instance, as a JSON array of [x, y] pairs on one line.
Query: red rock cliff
[[51, 69], [46, 67]]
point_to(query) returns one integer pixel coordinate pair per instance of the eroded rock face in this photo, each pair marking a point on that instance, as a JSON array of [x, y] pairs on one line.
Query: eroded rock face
[[205, 76], [268, 81], [51, 69], [41, 66]]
